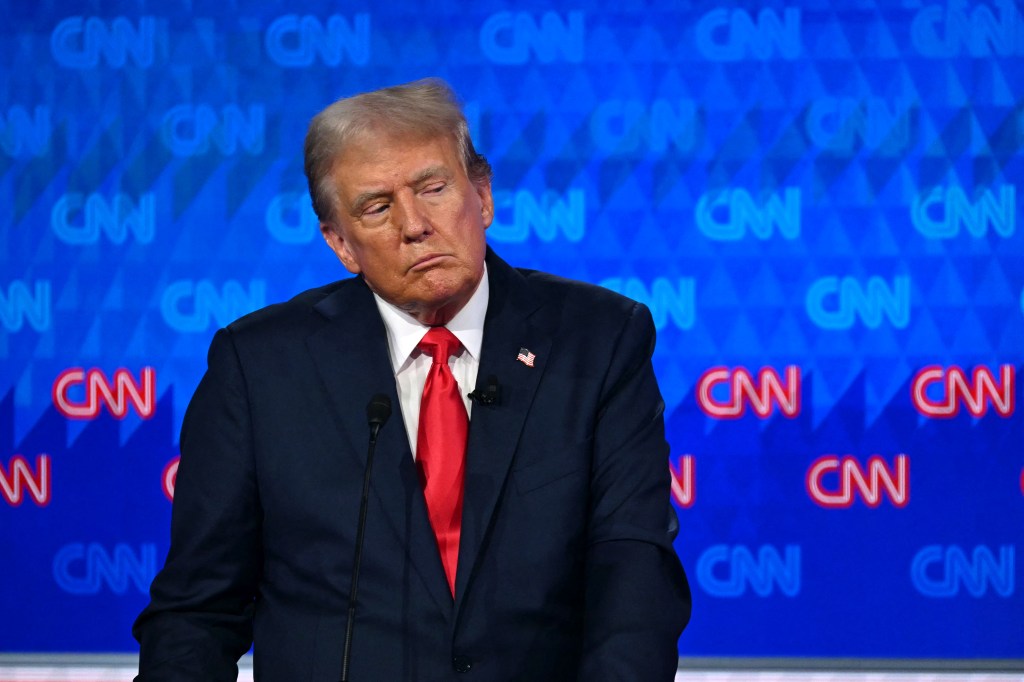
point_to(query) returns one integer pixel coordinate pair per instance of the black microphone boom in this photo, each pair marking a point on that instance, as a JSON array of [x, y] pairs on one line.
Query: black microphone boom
[[377, 412]]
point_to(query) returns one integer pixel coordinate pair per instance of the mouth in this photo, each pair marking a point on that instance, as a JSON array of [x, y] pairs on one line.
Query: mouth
[[429, 261]]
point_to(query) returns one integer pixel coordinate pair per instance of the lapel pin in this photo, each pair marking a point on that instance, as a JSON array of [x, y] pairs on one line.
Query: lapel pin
[[526, 357]]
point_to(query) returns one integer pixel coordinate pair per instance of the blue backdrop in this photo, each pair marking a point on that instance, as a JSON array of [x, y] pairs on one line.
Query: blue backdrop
[[818, 201]]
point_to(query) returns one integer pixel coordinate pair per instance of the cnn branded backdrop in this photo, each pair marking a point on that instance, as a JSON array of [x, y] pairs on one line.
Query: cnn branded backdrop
[[819, 202]]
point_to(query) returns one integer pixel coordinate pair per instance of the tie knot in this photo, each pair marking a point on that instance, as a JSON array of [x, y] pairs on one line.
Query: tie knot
[[439, 343]]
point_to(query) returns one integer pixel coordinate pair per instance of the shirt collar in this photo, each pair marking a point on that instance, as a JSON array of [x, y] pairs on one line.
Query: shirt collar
[[405, 331]]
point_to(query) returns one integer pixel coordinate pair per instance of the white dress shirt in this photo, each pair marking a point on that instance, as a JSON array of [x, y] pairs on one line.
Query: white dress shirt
[[411, 366]]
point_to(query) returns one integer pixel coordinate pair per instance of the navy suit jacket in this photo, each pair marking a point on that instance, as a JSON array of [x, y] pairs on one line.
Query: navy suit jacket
[[566, 566]]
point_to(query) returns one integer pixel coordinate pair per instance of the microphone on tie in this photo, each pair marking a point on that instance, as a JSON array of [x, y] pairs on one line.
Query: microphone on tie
[[378, 410]]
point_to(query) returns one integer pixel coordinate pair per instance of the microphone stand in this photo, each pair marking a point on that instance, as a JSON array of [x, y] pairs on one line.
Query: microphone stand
[[377, 412]]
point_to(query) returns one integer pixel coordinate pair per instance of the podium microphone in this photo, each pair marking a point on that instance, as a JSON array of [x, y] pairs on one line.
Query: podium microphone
[[377, 412]]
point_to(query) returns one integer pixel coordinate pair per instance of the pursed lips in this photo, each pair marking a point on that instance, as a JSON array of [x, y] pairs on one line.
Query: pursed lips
[[428, 261]]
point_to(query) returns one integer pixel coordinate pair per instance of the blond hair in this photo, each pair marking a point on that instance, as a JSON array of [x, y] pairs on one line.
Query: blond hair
[[425, 108]]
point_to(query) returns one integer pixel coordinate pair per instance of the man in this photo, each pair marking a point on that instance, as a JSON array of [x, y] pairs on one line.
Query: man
[[528, 538]]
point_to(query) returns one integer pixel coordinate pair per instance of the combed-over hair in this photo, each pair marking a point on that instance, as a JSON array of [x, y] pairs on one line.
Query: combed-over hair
[[425, 108]]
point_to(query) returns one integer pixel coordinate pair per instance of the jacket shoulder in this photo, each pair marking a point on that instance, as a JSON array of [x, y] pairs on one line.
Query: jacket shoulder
[[581, 298], [295, 314]]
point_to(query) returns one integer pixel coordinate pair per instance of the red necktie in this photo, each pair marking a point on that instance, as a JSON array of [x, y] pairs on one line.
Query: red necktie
[[441, 447]]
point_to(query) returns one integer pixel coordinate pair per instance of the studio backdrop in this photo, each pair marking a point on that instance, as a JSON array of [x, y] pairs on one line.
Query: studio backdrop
[[817, 200]]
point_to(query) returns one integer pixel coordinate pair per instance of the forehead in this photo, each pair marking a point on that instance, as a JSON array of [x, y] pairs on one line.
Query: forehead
[[380, 157]]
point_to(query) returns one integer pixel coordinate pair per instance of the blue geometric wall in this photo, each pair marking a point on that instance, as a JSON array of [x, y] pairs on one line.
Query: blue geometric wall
[[818, 200]]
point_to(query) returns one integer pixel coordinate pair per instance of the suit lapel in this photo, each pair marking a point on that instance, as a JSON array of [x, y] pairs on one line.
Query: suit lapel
[[351, 354], [494, 430]]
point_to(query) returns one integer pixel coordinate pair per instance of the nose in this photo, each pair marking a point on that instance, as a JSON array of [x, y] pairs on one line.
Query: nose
[[410, 217]]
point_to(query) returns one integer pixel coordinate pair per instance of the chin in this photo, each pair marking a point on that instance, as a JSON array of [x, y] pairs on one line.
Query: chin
[[442, 283]]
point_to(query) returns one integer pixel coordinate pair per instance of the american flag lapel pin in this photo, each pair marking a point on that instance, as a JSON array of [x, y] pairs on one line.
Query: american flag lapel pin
[[526, 357]]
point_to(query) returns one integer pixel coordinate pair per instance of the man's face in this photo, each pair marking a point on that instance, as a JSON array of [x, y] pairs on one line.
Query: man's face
[[411, 221]]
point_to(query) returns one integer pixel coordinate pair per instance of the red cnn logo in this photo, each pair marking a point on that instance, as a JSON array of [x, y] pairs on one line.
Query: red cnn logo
[[983, 389], [852, 479], [684, 485], [115, 395], [169, 477], [18, 476], [769, 389]]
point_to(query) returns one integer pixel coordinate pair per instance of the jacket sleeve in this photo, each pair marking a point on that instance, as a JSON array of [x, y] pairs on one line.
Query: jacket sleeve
[[199, 620], [637, 598]]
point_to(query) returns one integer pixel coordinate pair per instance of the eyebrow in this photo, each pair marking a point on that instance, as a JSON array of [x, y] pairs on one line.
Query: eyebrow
[[365, 198], [430, 173], [424, 175]]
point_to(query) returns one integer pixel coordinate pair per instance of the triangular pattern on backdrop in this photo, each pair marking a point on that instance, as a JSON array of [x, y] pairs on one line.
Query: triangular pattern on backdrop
[[867, 109]]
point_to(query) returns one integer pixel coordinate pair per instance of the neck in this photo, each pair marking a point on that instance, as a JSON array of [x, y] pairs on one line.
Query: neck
[[437, 317]]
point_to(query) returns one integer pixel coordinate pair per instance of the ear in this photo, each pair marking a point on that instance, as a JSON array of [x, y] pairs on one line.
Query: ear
[[483, 190], [332, 235]]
